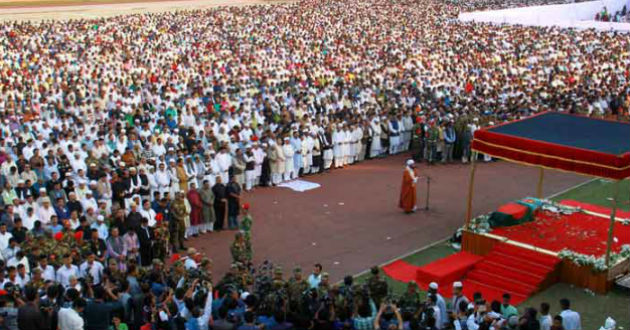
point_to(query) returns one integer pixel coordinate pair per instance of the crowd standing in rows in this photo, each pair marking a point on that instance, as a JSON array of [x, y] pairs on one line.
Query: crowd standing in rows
[[122, 137]]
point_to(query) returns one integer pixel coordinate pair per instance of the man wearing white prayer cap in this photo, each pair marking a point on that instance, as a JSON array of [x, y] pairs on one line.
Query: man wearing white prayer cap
[[458, 296], [440, 303], [407, 200]]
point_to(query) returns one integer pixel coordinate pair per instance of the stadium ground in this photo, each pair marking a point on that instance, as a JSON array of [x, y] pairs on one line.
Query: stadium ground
[[352, 221], [593, 308]]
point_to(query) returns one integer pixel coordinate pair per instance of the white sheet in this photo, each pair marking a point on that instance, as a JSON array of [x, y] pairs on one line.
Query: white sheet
[[299, 185]]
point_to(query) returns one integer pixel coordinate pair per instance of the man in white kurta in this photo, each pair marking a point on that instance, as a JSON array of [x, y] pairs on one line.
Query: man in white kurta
[[288, 152]]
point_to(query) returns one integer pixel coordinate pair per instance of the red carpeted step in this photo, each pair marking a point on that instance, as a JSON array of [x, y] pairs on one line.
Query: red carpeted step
[[517, 263], [501, 281], [447, 270], [516, 274], [401, 271], [490, 293], [529, 255]]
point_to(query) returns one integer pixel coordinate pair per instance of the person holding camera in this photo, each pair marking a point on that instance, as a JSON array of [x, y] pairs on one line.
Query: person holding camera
[[388, 317]]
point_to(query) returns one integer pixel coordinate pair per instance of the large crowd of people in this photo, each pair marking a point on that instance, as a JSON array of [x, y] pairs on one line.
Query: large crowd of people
[[122, 137]]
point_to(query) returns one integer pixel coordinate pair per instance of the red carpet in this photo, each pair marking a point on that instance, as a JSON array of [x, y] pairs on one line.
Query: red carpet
[[595, 208], [508, 268], [579, 232], [401, 271], [446, 270]]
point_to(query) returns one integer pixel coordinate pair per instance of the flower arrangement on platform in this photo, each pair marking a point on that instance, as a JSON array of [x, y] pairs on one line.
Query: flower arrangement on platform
[[596, 263]]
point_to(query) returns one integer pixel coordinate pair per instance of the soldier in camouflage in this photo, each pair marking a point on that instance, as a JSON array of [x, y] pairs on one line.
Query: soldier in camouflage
[[296, 286], [410, 301], [239, 249], [377, 286], [178, 221]]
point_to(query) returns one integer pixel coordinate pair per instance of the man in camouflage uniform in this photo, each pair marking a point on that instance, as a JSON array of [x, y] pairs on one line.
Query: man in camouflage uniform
[[377, 286], [229, 280], [324, 285], [246, 227], [239, 249], [410, 300], [433, 136], [160, 241], [178, 224], [296, 286]]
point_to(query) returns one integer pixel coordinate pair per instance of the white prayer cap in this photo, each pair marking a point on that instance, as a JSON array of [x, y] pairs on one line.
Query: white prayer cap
[[92, 183], [491, 123], [457, 284], [42, 189], [20, 181], [433, 286], [410, 162], [244, 295], [171, 149], [68, 174], [470, 306], [610, 324], [100, 217]]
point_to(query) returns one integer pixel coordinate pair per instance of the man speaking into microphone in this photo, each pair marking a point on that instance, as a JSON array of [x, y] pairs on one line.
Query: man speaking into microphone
[[408, 190]]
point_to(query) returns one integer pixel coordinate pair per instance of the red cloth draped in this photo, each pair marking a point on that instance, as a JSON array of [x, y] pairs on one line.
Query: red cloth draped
[[407, 192]]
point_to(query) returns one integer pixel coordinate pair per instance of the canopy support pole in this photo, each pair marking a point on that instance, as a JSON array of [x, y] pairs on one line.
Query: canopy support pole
[[541, 178], [612, 223], [471, 184]]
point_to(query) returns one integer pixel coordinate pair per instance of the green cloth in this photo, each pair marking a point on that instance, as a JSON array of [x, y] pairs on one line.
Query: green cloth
[[508, 311], [122, 326]]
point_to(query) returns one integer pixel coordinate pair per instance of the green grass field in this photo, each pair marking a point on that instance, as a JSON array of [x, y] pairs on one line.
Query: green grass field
[[594, 309], [598, 192]]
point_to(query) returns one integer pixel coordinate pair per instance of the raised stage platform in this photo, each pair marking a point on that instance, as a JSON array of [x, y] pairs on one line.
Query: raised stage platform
[[524, 258]]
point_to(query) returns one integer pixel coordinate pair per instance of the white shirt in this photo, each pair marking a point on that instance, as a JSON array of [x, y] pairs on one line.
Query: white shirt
[[96, 270], [64, 273], [4, 240], [69, 319], [545, 322], [190, 264], [313, 280], [48, 274], [570, 320]]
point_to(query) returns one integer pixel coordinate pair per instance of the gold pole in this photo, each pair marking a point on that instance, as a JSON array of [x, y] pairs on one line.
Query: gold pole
[[541, 178], [612, 223], [471, 183]]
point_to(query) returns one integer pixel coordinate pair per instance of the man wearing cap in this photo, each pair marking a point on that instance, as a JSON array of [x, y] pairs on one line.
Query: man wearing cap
[[296, 286], [407, 200], [440, 303], [288, 152], [458, 296]]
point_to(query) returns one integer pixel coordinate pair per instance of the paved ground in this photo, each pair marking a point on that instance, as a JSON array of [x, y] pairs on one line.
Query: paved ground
[[352, 222], [36, 10]]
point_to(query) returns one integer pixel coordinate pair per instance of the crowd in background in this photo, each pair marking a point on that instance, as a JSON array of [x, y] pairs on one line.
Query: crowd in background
[[122, 137]]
